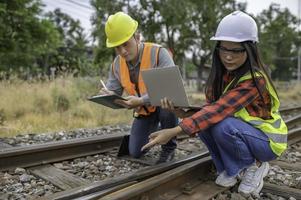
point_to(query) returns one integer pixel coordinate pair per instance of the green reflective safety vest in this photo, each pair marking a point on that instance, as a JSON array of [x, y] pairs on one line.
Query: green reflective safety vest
[[274, 128]]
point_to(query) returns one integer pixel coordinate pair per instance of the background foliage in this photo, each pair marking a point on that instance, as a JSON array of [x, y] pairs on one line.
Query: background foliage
[[33, 43], [48, 66]]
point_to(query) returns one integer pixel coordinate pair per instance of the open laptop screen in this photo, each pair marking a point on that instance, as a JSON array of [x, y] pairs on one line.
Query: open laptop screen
[[165, 82]]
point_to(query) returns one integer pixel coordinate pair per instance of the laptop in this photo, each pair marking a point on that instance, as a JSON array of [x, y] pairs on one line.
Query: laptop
[[166, 82]]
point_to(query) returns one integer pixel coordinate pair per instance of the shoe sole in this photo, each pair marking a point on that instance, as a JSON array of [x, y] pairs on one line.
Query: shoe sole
[[225, 185]]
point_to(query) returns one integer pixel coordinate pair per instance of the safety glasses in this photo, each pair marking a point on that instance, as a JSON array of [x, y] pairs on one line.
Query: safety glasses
[[235, 51]]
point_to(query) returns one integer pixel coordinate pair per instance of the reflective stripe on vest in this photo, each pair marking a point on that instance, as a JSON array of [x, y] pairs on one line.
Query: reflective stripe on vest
[[274, 128], [149, 60]]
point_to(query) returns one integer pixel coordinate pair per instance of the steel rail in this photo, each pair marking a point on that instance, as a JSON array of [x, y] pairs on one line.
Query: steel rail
[[293, 121], [38, 154], [183, 182], [56, 151], [151, 188], [294, 135], [100, 188], [285, 111]]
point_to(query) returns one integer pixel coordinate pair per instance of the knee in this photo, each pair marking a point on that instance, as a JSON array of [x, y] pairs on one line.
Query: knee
[[205, 135], [223, 128]]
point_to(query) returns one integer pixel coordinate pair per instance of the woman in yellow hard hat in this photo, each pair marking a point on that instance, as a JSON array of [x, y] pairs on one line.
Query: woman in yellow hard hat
[[132, 57]]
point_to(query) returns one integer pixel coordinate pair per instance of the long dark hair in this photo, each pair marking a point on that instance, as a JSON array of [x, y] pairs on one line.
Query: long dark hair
[[215, 87]]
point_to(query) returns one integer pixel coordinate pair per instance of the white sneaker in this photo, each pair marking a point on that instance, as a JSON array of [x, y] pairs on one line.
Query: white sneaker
[[252, 180], [224, 180]]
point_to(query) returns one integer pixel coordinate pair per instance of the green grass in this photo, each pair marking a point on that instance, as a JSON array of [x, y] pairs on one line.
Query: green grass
[[52, 106], [61, 104]]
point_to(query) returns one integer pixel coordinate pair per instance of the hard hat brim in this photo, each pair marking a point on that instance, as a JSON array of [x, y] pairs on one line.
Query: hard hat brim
[[115, 44], [231, 39]]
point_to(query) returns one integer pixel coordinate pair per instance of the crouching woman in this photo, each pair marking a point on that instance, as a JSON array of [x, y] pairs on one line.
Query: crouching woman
[[240, 124]]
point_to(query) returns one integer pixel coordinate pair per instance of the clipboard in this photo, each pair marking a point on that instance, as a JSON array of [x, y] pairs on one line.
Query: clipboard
[[107, 100]]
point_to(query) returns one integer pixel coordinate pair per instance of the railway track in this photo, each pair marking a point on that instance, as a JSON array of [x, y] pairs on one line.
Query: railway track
[[192, 181], [290, 110], [37, 159], [63, 150]]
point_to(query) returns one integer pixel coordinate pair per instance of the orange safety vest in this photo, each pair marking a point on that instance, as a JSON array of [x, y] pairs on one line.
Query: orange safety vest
[[149, 60]]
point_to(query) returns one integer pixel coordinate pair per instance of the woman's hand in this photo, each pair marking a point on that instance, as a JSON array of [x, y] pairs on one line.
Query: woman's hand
[[130, 102], [168, 105], [162, 136]]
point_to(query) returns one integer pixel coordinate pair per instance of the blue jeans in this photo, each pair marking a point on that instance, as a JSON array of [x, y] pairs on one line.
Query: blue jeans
[[235, 145], [142, 127]]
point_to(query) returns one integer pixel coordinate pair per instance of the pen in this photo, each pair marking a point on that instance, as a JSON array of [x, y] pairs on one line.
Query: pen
[[103, 84]]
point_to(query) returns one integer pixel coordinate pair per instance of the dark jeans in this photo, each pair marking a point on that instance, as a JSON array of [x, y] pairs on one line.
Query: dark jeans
[[142, 127], [235, 145]]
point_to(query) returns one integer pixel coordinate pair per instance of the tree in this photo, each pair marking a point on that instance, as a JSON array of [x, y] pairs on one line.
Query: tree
[[24, 36], [73, 52], [167, 22], [103, 9], [184, 26], [206, 17], [279, 40]]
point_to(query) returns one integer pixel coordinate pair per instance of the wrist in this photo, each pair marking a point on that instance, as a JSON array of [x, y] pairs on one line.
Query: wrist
[[176, 131], [141, 101]]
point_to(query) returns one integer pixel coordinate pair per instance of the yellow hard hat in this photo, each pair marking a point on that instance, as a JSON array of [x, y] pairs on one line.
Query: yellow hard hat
[[119, 28]]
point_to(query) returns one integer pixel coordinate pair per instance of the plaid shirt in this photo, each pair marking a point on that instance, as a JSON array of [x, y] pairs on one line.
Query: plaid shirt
[[244, 94]]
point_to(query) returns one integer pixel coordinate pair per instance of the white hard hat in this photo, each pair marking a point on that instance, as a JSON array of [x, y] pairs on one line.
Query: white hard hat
[[237, 27]]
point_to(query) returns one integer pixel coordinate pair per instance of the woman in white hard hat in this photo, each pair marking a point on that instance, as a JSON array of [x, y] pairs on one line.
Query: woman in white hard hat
[[240, 124], [132, 57]]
